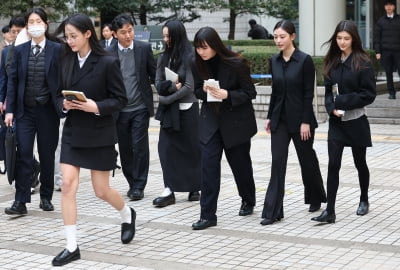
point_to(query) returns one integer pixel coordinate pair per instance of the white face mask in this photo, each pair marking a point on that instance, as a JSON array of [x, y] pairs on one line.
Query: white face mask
[[36, 30]]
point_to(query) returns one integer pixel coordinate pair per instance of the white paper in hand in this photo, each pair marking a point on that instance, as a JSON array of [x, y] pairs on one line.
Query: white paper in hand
[[335, 92], [170, 75], [215, 84]]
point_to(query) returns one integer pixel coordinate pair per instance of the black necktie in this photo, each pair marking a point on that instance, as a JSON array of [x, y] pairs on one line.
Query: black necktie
[[36, 50]]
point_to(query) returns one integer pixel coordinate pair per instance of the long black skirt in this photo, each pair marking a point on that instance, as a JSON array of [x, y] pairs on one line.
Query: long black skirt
[[179, 153]]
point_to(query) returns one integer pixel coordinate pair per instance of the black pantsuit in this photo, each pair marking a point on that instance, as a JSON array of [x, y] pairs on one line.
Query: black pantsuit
[[41, 121], [133, 143], [314, 192], [290, 108], [34, 118], [226, 126], [239, 160]]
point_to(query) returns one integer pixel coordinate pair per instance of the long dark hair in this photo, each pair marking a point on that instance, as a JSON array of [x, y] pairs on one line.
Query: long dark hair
[[332, 58], [180, 50], [208, 35], [288, 27], [83, 23]]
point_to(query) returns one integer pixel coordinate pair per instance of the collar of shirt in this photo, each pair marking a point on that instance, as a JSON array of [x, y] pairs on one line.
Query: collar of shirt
[[390, 16], [82, 60], [121, 48], [41, 44], [294, 55]]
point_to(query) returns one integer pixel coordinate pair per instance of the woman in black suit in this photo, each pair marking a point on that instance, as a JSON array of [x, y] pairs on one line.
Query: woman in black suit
[[89, 134], [178, 145], [31, 102], [227, 125], [349, 87], [291, 117]]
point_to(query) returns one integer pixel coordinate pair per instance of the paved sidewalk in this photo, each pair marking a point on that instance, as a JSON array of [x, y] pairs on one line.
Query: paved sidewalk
[[165, 240]]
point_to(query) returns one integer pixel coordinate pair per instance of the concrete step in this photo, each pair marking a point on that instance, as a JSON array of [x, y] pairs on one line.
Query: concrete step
[[385, 103], [384, 112], [386, 121]]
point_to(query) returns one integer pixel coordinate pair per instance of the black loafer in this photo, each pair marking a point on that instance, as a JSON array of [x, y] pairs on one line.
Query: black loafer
[[164, 201], [135, 194], [17, 208], [314, 207], [65, 257], [246, 209], [325, 217], [128, 229], [46, 205], [194, 196], [268, 221], [203, 224], [363, 208]]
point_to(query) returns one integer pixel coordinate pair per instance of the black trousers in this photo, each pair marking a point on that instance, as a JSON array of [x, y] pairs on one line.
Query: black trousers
[[390, 62], [133, 144], [239, 160], [314, 191], [335, 152], [43, 122]]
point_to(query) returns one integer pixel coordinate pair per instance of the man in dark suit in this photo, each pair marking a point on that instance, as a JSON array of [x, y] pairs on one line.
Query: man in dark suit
[[138, 69], [387, 43], [107, 34], [31, 95]]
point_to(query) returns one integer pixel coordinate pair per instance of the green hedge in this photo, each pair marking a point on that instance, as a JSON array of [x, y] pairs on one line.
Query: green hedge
[[259, 64]]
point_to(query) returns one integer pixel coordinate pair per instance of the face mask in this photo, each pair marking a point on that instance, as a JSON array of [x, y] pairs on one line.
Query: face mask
[[36, 30]]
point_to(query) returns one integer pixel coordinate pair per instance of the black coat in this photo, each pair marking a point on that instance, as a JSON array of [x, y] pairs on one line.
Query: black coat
[[357, 89], [100, 79], [387, 34], [234, 117], [292, 91]]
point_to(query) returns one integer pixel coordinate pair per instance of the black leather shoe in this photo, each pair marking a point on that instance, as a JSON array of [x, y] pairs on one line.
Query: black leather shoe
[[267, 221], [314, 207], [325, 217], [194, 196], [65, 257], [135, 194], [17, 208], [128, 229], [392, 96], [203, 224], [46, 205], [246, 209], [363, 208], [164, 201]]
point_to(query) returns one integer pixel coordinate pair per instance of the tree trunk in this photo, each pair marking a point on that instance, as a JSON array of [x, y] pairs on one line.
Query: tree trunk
[[143, 15], [232, 24]]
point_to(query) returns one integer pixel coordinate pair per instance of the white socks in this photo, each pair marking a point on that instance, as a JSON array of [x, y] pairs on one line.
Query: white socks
[[70, 234], [166, 192], [126, 215]]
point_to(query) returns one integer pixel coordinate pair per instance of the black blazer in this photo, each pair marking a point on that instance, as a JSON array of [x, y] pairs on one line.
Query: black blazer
[[101, 80], [145, 67], [292, 91], [234, 117], [19, 71]]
